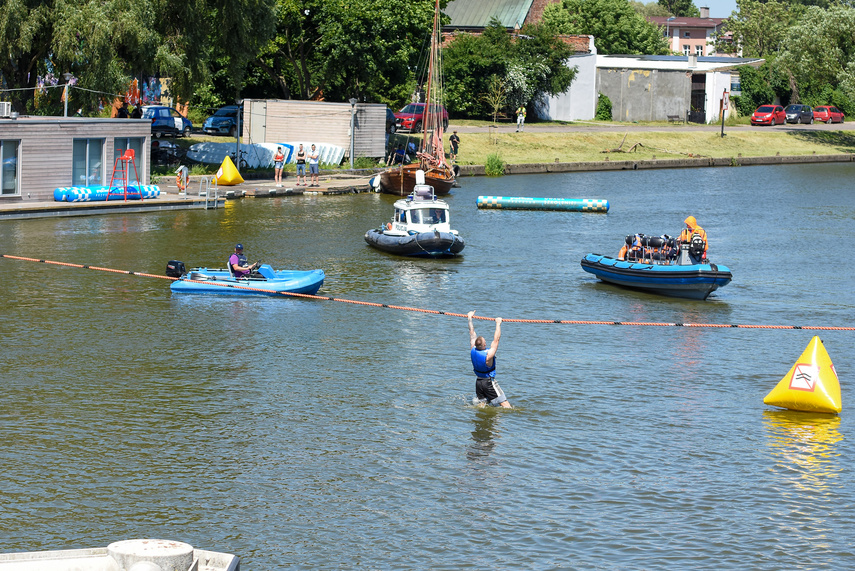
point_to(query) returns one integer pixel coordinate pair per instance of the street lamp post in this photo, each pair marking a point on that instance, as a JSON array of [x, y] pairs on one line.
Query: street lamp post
[[67, 75], [353, 103]]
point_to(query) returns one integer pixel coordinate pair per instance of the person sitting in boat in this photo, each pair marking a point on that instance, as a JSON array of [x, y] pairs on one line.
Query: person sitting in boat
[[687, 236], [238, 264], [632, 248]]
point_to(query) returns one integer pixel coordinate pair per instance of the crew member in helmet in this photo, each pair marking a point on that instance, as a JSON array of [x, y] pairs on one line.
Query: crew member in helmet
[[487, 390], [693, 229], [238, 264]]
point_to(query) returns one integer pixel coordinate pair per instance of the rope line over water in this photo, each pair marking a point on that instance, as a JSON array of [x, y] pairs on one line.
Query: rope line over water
[[438, 312]]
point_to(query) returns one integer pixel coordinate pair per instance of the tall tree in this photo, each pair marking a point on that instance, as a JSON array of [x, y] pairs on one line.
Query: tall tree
[[757, 28], [682, 8], [533, 62], [616, 27], [338, 49], [106, 42]]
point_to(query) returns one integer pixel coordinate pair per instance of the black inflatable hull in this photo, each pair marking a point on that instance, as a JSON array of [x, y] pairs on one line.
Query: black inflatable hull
[[425, 244]]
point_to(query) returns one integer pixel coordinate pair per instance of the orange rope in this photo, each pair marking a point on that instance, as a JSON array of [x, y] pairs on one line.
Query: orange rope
[[435, 311]]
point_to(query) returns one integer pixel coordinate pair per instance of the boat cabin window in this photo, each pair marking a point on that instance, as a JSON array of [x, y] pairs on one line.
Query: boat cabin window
[[428, 216], [400, 216]]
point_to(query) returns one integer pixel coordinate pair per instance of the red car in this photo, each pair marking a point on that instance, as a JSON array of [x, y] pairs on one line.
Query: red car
[[769, 115], [411, 117], [827, 114]]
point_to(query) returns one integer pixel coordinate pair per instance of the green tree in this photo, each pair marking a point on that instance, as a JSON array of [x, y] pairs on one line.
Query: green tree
[[758, 28], [819, 55], [530, 63], [104, 43], [338, 49], [650, 10], [616, 27], [682, 8]]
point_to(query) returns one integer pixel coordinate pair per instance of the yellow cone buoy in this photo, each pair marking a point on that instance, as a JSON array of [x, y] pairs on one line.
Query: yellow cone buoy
[[811, 385], [227, 174]]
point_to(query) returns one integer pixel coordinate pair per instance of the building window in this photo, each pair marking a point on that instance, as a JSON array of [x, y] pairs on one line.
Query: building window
[[120, 145], [9, 173], [87, 163], [699, 50], [687, 34], [686, 50]]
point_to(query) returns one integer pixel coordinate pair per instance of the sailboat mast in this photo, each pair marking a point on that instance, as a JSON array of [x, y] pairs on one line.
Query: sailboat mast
[[428, 125]]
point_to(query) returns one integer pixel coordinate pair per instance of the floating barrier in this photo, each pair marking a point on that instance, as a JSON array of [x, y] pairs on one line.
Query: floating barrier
[[528, 203], [811, 385], [449, 313], [101, 193]]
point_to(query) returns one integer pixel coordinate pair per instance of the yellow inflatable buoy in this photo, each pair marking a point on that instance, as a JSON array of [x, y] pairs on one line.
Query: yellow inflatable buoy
[[811, 385], [228, 175]]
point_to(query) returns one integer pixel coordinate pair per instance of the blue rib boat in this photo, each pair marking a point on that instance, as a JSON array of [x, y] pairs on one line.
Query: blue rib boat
[[266, 281], [691, 281]]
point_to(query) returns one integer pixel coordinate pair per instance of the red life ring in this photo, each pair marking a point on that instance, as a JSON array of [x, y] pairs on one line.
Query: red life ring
[[388, 226], [180, 181]]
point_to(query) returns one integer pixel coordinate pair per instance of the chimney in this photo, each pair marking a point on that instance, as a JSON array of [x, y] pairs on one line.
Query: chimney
[[705, 12]]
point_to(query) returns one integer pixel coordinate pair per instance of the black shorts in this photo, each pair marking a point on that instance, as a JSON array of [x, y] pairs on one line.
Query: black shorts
[[488, 390]]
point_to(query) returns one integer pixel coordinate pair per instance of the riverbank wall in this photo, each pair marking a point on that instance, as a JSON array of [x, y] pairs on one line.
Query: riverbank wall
[[608, 164]]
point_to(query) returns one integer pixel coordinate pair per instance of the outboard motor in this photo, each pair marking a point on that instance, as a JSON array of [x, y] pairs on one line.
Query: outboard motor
[[175, 269]]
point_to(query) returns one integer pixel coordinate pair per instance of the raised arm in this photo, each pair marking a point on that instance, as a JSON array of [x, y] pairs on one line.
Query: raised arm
[[472, 335], [494, 346]]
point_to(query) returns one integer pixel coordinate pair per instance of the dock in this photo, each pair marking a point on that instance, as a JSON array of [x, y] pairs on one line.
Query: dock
[[170, 198]]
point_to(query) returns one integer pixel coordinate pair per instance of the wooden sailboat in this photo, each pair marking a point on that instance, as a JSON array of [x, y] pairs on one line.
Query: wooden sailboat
[[439, 174]]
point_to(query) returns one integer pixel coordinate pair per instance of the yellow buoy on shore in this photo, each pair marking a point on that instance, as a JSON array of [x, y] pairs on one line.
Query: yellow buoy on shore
[[811, 385], [227, 174]]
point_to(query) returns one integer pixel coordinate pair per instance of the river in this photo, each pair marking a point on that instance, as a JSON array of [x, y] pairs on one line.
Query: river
[[305, 434]]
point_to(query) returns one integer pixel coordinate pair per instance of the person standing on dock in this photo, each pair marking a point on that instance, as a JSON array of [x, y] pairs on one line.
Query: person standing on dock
[[520, 118], [314, 160], [487, 390], [301, 165], [278, 164]]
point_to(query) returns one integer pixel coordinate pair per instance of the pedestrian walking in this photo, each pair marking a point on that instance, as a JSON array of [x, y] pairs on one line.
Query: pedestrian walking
[[455, 145], [520, 118]]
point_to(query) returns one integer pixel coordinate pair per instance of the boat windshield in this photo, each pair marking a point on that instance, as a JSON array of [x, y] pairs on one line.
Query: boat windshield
[[428, 216]]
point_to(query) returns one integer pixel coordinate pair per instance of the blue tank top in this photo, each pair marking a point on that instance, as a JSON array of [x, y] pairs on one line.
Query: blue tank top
[[479, 364]]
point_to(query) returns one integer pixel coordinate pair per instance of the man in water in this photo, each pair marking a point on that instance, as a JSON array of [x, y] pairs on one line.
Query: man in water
[[238, 264], [487, 390]]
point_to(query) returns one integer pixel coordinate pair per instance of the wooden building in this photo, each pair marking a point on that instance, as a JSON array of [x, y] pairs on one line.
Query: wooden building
[[284, 120], [40, 154]]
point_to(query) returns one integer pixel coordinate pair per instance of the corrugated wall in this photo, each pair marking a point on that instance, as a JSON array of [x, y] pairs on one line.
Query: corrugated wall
[[46, 148], [281, 121]]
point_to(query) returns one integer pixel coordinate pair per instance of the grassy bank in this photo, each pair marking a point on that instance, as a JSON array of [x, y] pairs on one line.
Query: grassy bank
[[530, 147]]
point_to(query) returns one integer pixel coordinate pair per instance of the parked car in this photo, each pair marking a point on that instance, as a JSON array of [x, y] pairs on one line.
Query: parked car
[[391, 121], [769, 115], [223, 122], [797, 113], [166, 121], [412, 116], [828, 114]]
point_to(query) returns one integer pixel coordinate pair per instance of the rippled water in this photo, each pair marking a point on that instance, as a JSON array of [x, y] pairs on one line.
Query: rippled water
[[317, 434]]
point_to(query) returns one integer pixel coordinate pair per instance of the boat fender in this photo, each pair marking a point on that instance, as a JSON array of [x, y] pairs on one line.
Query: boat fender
[[456, 170], [388, 226]]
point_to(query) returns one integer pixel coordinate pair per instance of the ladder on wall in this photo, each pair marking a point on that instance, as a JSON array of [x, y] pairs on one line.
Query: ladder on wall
[[119, 179]]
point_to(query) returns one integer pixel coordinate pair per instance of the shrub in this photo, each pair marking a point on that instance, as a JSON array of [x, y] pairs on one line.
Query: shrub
[[495, 165], [604, 108]]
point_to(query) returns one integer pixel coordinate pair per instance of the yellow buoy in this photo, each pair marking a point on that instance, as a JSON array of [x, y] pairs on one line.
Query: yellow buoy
[[227, 174], [811, 385]]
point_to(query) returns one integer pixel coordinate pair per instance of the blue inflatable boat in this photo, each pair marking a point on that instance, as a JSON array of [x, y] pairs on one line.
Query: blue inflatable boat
[[266, 281], [692, 281]]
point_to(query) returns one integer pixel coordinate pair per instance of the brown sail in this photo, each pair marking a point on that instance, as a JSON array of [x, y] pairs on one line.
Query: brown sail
[[439, 174]]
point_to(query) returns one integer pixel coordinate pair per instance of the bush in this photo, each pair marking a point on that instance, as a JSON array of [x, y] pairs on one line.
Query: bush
[[495, 165], [604, 108]]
